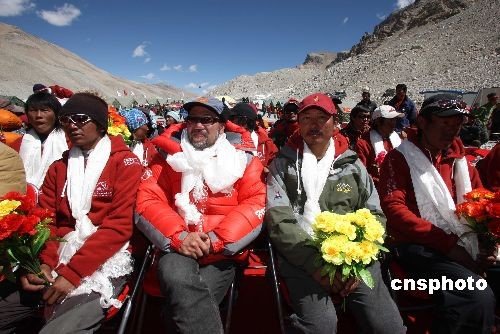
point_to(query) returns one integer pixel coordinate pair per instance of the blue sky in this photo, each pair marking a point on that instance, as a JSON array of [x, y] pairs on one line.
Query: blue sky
[[197, 43]]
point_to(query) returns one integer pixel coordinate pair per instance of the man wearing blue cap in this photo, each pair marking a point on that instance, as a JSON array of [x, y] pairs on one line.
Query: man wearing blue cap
[[202, 205]]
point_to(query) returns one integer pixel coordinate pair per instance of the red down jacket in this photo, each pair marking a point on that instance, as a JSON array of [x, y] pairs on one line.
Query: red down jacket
[[232, 221]]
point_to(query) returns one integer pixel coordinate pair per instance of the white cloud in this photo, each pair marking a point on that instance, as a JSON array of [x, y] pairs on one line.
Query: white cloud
[[148, 76], [15, 7], [193, 68], [381, 16], [191, 85], [178, 68], [147, 60], [403, 3], [165, 67], [61, 16], [140, 51], [203, 84], [345, 20]]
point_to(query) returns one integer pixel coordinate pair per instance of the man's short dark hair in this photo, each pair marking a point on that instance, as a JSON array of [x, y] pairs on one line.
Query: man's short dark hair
[[357, 110], [490, 95], [402, 87], [365, 93]]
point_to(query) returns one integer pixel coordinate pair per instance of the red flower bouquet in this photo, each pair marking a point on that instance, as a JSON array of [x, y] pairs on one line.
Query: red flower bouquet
[[380, 158], [481, 210], [24, 229]]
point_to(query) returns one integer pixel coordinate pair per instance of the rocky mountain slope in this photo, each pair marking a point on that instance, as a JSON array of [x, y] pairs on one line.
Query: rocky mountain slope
[[432, 44], [26, 60]]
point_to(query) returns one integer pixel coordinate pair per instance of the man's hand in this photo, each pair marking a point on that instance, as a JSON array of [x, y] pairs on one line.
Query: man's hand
[[195, 245], [58, 291], [461, 256], [487, 257], [32, 282]]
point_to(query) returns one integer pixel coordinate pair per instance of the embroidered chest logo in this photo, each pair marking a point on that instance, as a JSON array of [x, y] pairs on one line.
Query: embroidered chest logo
[[147, 174], [277, 195], [260, 213], [102, 189], [343, 187], [131, 161]]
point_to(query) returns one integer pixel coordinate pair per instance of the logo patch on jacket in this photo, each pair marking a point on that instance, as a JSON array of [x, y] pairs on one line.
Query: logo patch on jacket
[[277, 195], [343, 187], [260, 213], [102, 189], [131, 161]]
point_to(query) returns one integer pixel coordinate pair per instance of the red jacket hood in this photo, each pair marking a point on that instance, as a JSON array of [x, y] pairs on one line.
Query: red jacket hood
[[169, 141], [341, 143]]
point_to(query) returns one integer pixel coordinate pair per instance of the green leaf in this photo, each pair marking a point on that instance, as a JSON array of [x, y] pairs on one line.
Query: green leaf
[[346, 270], [12, 256], [366, 276], [39, 240], [382, 248]]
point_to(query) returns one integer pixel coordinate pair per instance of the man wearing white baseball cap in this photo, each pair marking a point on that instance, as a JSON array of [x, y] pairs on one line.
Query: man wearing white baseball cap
[[374, 145]]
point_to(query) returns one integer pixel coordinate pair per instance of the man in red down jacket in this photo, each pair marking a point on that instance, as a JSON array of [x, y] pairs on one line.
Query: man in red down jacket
[[92, 191], [420, 183], [202, 203]]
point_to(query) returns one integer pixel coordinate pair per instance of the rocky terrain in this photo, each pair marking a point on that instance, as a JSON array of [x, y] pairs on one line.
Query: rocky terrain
[[431, 44], [26, 60]]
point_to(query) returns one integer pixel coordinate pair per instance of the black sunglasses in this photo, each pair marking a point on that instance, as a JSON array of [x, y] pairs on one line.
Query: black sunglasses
[[78, 119], [205, 120]]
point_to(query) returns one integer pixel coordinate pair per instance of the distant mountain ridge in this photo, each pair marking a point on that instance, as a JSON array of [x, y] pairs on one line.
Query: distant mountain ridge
[[431, 44], [26, 60]]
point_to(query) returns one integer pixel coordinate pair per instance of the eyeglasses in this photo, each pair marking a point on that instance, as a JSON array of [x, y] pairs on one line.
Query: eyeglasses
[[78, 119], [239, 119], [205, 120], [363, 117]]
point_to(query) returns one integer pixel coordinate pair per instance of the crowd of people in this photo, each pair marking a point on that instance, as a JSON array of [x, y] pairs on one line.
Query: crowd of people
[[203, 187]]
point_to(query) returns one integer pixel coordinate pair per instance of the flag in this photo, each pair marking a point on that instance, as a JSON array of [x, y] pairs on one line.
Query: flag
[[118, 93], [124, 92]]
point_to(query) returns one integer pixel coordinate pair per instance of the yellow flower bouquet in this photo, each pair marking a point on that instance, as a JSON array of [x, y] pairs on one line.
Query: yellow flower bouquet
[[349, 243]]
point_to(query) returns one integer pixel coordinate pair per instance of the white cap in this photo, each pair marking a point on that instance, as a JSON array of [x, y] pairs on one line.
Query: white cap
[[386, 111]]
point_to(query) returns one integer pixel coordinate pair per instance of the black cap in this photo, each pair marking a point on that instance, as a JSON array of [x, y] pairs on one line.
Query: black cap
[[244, 109], [444, 105]]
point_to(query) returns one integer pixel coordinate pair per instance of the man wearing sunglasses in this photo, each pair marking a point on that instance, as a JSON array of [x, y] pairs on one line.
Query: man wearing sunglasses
[[91, 191], [421, 181], [359, 124], [244, 115], [284, 128], [203, 203]]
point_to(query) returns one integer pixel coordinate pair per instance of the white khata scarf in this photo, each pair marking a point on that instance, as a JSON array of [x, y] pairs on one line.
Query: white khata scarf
[[314, 176], [218, 166], [378, 142], [434, 200], [36, 162], [81, 183], [138, 150]]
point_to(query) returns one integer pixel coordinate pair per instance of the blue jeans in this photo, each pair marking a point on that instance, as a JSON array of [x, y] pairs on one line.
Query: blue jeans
[[193, 293]]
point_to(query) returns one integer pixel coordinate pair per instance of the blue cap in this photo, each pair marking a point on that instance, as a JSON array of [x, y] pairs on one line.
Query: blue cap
[[134, 118], [209, 102]]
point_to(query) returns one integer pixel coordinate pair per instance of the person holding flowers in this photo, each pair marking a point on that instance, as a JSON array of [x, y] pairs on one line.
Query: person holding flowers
[[92, 192], [421, 182], [314, 175]]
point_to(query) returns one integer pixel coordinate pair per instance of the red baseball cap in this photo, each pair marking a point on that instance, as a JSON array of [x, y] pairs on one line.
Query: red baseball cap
[[319, 101]]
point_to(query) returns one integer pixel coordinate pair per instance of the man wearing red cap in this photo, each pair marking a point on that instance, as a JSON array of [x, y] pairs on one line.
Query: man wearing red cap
[[316, 172]]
